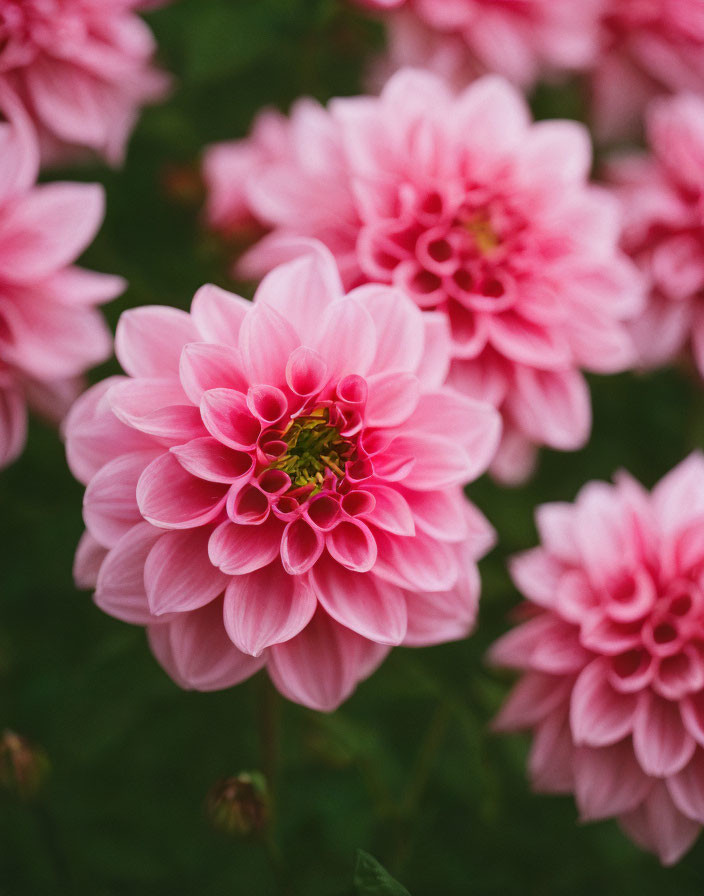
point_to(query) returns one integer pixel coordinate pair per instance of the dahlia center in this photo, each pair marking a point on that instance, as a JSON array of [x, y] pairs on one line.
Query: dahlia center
[[315, 451]]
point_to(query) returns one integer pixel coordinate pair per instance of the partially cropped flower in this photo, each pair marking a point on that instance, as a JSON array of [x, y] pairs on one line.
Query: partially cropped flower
[[648, 48], [230, 167], [474, 211], [82, 68], [280, 484], [462, 39], [50, 330], [663, 199], [612, 654]]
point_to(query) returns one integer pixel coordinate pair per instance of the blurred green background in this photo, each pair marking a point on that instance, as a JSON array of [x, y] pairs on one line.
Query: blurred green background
[[407, 769]]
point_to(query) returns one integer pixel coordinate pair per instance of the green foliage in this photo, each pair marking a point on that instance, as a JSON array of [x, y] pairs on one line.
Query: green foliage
[[408, 768], [371, 879]]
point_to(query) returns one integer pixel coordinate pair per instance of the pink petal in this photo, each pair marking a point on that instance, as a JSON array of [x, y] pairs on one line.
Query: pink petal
[[204, 366], [362, 603], [94, 435], [200, 655], [149, 340], [218, 315], [552, 407], [556, 526], [13, 425], [228, 418], [551, 758], [440, 514], [692, 709], [178, 574], [170, 497], [687, 788], [321, 666], [237, 550], [391, 511], [120, 588], [534, 697], [392, 398], [599, 715], [537, 575], [527, 343], [440, 616], [301, 545], [418, 563], [110, 505], [300, 290], [266, 607], [156, 407], [346, 339], [48, 228], [662, 744], [306, 372], [89, 558], [266, 341], [209, 459], [659, 826], [399, 328], [608, 781], [352, 545]]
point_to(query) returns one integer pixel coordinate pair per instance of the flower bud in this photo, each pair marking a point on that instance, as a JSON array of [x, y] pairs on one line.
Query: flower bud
[[23, 766], [239, 805]]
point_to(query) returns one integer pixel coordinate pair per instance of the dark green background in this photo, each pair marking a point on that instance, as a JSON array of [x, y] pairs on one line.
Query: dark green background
[[407, 769]]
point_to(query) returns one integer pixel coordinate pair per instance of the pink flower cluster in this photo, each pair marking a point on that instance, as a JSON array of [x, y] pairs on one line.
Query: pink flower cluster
[[663, 198], [471, 209], [463, 39], [50, 330], [612, 653], [629, 50], [647, 49], [280, 484], [82, 69]]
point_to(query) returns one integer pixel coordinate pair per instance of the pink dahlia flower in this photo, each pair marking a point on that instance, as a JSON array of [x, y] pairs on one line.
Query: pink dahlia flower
[[50, 330], [476, 212], [279, 484], [648, 48], [612, 654], [461, 39], [82, 68], [663, 199]]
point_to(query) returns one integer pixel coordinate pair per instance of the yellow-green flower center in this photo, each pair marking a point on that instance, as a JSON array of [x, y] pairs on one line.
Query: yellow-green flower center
[[314, 447]]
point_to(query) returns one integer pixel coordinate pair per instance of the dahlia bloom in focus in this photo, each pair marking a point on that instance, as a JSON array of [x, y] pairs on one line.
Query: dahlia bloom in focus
[[648, 48], [280, 484], [82, 69], [462, 39], [50, 330], [612, 655], [474, 211], [663, 200]]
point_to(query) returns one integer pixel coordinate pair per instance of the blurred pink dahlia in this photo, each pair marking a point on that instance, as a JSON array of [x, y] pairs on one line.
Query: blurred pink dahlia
[[663, 200], [279, 484], [82, 68], [474, 211], [462, 39], [649, 47], [612, 654], [50, 330], [229, 167]]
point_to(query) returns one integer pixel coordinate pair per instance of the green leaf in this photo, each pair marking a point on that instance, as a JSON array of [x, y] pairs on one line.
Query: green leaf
[[371, 879]]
